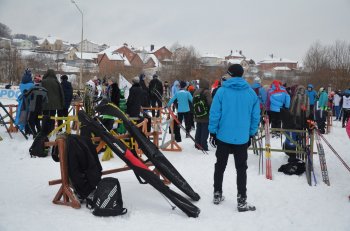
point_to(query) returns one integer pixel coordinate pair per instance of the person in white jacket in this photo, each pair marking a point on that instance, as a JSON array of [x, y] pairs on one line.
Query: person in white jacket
[[337, 107]]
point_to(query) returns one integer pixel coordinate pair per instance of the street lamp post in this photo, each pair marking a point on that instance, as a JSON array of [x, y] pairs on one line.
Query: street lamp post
[[81, 44]]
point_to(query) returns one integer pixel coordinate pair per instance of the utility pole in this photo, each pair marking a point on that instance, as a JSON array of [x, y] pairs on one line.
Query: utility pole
[[81, 44]]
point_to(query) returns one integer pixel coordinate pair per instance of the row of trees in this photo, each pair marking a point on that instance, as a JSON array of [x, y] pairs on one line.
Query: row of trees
[[328, 65]]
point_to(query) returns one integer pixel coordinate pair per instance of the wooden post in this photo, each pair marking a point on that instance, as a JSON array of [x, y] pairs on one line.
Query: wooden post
[[64, 193]]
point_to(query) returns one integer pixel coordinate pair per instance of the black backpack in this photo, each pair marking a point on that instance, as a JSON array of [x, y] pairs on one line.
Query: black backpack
[[200, 105], [293, 168], [107, 200], [84, 167]]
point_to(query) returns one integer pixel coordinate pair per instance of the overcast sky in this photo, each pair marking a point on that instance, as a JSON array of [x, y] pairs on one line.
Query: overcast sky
[[285, 28]]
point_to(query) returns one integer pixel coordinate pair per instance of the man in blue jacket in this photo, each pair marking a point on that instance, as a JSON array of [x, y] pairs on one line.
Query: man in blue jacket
[[312, 98], [278, 99], [233, 120]]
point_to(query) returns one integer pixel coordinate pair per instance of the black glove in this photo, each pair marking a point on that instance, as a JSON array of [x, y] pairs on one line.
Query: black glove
[[212, 140], [250, 140]]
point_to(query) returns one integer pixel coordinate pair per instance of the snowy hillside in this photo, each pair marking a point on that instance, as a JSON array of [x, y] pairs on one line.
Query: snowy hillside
[[285, 203]]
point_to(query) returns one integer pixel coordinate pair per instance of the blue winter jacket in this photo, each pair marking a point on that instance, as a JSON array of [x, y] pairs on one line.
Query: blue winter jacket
[[235, 112], [278, 99], [184, 98], [262, 94], [312, 94], [23, 87], [323, 100], [175, 88]]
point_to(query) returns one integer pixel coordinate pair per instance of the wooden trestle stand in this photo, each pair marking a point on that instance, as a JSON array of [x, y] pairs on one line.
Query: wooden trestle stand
[[65, 195]]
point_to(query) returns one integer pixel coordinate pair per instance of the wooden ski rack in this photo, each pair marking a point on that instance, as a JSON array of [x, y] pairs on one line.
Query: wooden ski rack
[[65, 195]]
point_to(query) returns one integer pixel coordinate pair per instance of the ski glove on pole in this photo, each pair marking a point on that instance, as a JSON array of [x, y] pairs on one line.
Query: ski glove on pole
[[212, 140]]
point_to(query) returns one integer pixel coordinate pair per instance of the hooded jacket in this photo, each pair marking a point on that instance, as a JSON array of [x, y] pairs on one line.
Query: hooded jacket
[[235, 112], [184, 98], [277, 97], [54, 91], [175, 88], [312, 94], [261, 93]]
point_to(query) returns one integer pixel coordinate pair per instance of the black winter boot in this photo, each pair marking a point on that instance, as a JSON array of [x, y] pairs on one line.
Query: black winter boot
[[242, 204], [218, 197]]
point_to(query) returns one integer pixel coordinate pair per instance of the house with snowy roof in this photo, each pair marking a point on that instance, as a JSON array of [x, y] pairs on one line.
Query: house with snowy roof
[[211, 60], [88, 46], [158, 55], [52, 44], [128, 52], [23, 44], [109, 60], [271, 64], [5, 43]]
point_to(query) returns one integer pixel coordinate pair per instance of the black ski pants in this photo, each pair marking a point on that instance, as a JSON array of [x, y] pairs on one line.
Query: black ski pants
[[275, 118], [202, 134], [51, 122], [346, 115], [34, 123], [155, 102], [321, 117], [240, 154], [182, 116]]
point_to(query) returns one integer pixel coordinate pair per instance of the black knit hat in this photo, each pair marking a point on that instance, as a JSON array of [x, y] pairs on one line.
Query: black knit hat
[[64, 77], [235, 70]]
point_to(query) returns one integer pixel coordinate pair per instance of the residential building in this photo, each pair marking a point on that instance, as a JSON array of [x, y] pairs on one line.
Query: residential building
[[88, 46], [211, 60], [23, 44], [51, 44], [5, 43]]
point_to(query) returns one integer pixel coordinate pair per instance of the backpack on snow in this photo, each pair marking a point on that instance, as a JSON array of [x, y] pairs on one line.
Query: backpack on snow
[[84, 167], [107, 200], [293, 168], [200, 105], [38, 148]]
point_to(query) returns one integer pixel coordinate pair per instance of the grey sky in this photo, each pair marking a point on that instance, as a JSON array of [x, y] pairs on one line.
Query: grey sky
[[285, 28]]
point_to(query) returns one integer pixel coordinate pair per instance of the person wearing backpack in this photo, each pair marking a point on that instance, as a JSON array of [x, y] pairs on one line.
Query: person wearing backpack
[[22, 109], [155, 88], [201, 105], [55, 96]]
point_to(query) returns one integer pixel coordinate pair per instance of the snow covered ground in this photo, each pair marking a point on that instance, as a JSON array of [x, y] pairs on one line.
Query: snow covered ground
[[285, 203]]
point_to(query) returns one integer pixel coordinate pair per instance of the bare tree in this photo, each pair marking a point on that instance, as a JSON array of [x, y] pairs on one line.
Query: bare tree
[[328, 65], [185, 62]]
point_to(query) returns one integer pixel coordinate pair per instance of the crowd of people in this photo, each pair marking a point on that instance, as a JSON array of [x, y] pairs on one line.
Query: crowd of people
[[228, 113]]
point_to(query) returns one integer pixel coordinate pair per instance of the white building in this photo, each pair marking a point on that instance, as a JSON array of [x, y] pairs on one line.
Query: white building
[[89, 47], [23, 44]]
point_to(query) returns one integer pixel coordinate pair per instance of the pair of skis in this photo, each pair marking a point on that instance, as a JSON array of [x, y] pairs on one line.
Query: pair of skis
[[268, 148], [172, 114], [322, 157], [138, 166]]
